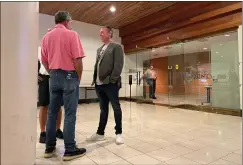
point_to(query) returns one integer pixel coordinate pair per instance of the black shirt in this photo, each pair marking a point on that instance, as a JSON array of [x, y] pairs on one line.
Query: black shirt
[[39, 66]]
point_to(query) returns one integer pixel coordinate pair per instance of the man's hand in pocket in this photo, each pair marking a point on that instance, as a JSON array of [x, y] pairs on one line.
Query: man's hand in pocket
[[92, 84], [40, 79]]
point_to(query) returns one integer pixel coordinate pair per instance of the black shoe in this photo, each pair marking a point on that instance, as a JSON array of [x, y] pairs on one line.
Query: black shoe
[[42, 138], [59, 134], [49, 152], [79, 152], [154, 97]]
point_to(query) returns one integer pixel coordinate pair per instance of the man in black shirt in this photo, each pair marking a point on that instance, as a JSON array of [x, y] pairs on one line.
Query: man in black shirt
[[43, 94]]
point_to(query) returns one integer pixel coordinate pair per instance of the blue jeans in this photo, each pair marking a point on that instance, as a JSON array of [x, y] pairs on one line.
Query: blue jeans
[[77, 91], [63, 85], [152, 87]]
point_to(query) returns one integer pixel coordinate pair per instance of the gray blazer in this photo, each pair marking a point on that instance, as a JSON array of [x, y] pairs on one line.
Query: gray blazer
[[111, 64]]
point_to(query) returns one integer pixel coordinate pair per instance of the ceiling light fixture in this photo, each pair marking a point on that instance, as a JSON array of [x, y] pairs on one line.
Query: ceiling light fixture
[[217, 52], [112, 9], [226, 35], [205, 48]]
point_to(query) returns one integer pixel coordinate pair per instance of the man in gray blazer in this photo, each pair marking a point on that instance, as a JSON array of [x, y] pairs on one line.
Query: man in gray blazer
[[107, 81]]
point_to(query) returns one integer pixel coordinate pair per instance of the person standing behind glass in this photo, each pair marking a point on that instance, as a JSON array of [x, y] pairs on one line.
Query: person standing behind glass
[[150, 77]]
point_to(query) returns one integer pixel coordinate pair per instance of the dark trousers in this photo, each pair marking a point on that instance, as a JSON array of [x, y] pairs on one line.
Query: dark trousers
[[109, 93], [43, 91], [63, 87], [152, 87]]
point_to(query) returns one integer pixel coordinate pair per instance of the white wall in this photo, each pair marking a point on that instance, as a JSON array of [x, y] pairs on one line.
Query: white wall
[[89, 35]]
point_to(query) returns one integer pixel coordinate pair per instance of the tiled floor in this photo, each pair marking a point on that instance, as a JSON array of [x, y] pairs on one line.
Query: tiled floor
[[156, 135]]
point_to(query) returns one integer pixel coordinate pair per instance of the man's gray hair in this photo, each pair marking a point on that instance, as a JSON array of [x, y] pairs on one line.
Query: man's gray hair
[[62, 16], [109, 30]]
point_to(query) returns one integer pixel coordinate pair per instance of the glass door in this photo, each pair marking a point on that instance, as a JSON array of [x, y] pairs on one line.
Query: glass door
[[197, 72], [143, 63], [176, 81]]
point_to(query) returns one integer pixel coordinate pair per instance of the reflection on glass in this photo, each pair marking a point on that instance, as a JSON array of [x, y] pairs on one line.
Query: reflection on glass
[[211, 72], [202, 72], [143, 63], [135, 66], [176, 87], [225, 71]]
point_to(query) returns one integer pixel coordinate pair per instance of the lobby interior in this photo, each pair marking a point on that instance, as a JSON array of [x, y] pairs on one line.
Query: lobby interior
[[196, 51]]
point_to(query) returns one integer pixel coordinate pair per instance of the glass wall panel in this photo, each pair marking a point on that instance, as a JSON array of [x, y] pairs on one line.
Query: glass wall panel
[[225, 73], [202, 73], [159, 61], [197, 72], [142, 78], [212, 72], [176, 86], [136, 65], [130, 70]]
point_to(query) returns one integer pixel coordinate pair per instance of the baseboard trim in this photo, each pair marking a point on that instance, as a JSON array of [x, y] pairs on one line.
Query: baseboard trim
[[208, 109], [93, 100], [87, 101]]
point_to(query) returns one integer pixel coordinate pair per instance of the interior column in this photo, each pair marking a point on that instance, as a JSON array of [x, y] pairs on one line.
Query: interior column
[[240, 61], [19, 52]]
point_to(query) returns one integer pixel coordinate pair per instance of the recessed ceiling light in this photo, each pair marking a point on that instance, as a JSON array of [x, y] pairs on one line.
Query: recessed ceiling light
[[226, 35], [205, 48], [222, 56], [217, 52], [112, 9], [220, 44]]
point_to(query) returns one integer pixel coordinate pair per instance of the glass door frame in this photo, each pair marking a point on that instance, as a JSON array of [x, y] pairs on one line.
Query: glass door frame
[[176, 85]]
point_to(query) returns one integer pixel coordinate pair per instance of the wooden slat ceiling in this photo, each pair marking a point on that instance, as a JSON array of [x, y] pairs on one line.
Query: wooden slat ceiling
[[180, 22], [152, 24], [98, 12]]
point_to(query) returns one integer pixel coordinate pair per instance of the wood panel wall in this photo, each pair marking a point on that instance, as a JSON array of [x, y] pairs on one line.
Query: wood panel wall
[[180, 22], [179, 87]]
